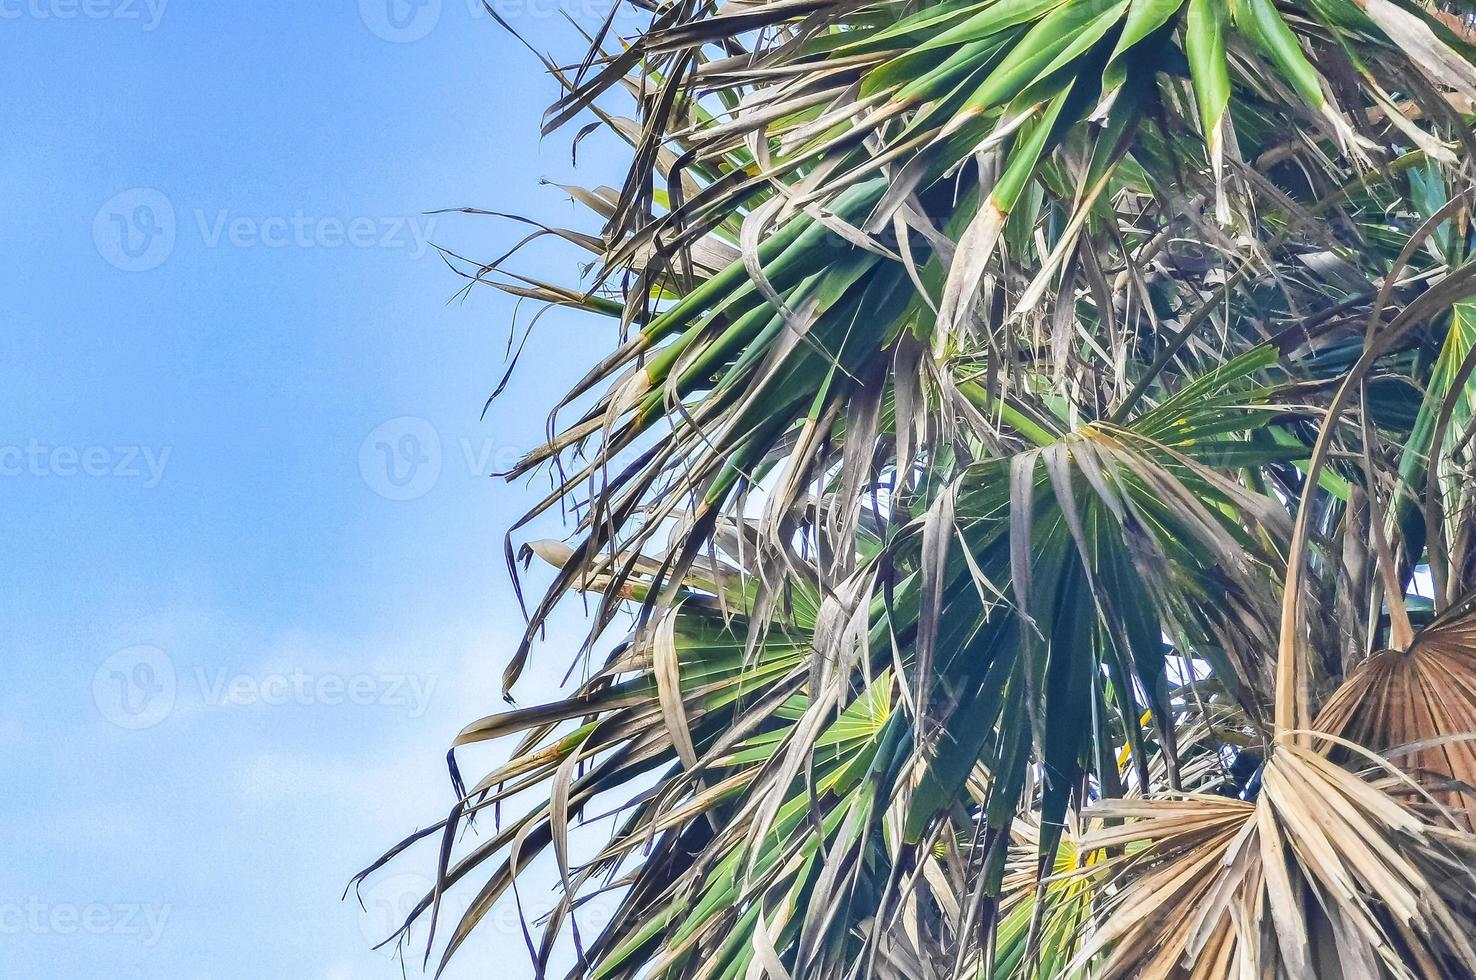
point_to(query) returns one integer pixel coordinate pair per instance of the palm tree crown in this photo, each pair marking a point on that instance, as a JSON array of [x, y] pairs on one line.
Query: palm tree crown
[[1029, 500]]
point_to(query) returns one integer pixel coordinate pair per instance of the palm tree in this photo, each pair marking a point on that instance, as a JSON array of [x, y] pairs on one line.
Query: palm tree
[[1029, 503]]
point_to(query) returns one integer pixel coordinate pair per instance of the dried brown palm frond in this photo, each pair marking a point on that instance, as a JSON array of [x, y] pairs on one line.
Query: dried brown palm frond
[[1419, 706], [1324, 876]]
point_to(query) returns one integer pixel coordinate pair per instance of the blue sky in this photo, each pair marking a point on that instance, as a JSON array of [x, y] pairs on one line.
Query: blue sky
[[253, 580]]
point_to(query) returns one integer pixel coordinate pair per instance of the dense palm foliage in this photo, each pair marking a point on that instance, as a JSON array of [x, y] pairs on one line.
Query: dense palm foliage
[[1029, 500]]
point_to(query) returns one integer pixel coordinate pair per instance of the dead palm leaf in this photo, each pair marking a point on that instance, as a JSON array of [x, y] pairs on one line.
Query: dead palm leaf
[[1417, 706]]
